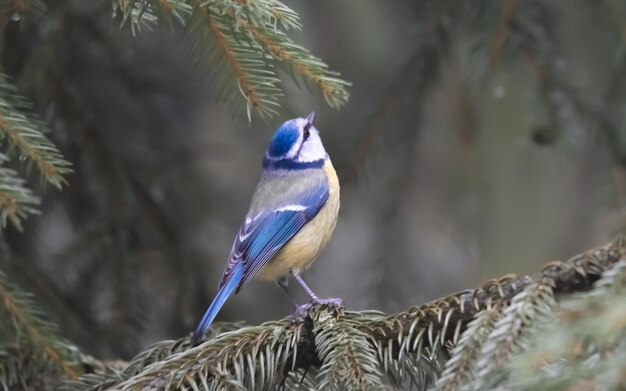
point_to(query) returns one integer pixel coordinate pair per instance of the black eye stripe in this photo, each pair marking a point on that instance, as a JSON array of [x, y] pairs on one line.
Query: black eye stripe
[[307, 132]]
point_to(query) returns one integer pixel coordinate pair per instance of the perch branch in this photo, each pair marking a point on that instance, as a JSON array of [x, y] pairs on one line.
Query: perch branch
[[263, 356]]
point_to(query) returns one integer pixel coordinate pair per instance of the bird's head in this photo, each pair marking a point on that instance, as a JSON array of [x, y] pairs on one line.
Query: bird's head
[[295, 145]]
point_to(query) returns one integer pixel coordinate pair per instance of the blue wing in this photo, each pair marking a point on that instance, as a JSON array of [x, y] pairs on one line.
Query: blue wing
[[263, 235]]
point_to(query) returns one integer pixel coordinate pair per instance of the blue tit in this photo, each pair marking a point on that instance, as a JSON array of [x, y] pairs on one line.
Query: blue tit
[[292, 216]]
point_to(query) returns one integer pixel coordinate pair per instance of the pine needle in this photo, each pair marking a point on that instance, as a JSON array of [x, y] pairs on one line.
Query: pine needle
[[147, 14], [459, 368], [23, 9], [251, 357], [525, 313], [232, 51], [585, 346], [280, 47], [350, 361], [238, 44], [36, 332], [355, 350], [25, 135], [16, 200]]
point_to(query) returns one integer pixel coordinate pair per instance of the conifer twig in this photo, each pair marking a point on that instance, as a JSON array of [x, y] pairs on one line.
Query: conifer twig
[[26, 135], [36, 332], [266, 355], [16, 200], [502, 32], [459, 368], [310, 67], [527, 310], [349, 361], [242, 41], [584, 347], [252, 76], [18, 9]]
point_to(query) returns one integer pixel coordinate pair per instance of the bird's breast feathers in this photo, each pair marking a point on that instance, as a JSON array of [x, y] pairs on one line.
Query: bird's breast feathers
[[300, 252]]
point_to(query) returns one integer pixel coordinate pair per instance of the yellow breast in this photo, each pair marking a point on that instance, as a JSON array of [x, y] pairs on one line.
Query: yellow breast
[[300, 252]]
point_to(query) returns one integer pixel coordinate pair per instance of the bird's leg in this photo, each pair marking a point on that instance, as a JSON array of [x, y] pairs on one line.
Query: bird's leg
[[303, 308], [308, 290], [282, 282]]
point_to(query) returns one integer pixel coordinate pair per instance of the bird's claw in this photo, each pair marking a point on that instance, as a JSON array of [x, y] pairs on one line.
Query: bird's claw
[[302, 311], [332, 301]]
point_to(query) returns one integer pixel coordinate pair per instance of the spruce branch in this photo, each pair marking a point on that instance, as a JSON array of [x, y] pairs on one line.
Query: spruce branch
[[585, 346], [301, 379], [18, 9], [21, 368], [166, 9], [26, 135], [234, 58], [36, 332], [349, 360], [332, 347], [241, 42], [248, 358], [164, 349], [146, 14], [17, 367], [16, 200], [527, 311], [138, 14], [280, 47], [502, 32], [459, 368], [261, 13]]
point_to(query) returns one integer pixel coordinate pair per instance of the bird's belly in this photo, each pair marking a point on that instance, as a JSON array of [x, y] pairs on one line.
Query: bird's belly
[[300, 252]]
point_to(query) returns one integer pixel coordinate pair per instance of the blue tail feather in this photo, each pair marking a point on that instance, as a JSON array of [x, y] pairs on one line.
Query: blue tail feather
[[225, 291]]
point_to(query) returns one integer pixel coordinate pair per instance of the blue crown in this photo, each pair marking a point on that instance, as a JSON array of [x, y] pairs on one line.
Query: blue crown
[[284, 138]]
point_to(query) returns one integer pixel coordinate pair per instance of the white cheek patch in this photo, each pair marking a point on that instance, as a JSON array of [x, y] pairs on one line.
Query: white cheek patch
[[312, 149]]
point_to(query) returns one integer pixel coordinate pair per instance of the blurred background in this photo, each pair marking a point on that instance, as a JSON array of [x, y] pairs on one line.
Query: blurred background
[[481, 138]]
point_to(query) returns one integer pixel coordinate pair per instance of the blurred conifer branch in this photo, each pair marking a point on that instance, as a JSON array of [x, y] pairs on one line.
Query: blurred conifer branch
[[591, 352], [483, 334], [239, 43], [16, 200], [37, 346], [240, 67], [24, 136], [18, 9]]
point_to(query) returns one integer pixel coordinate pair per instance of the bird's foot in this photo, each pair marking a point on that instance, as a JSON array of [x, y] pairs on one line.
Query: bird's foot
[[332, 301], [302, 311]]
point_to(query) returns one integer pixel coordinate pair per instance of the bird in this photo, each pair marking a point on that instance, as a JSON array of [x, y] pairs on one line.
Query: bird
[[292, 216]]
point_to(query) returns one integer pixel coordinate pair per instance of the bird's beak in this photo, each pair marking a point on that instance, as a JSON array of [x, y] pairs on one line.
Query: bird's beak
[[310, 118]]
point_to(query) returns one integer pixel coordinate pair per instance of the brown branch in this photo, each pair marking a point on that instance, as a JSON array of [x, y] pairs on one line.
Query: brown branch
[[166, 6], [426, 328], [283, 55], [17, 139], [446, 317], [48, 351], [502, 32], [8, 205], [246, 87], [276, 50]]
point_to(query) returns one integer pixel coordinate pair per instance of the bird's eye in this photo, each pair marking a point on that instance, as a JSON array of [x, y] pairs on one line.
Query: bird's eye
[[307, 132]]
